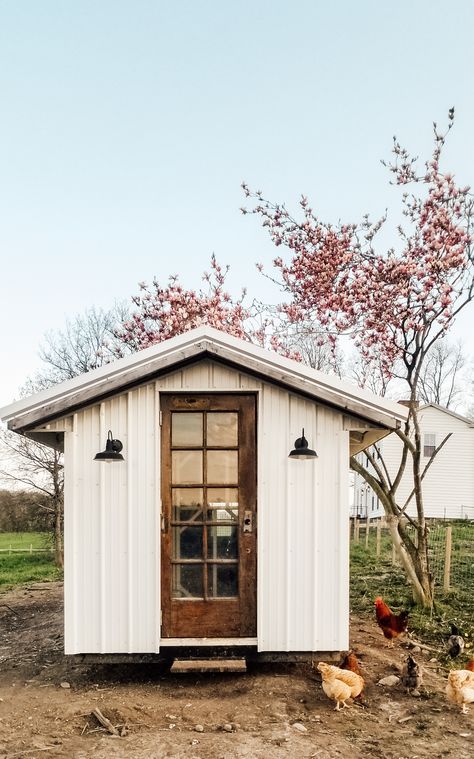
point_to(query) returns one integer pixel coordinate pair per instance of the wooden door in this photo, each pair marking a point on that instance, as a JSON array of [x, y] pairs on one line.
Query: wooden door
[[209, 515]]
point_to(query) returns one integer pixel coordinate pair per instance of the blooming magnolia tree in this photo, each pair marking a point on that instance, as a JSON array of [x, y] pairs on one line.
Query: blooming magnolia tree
[[396, 304], [165, 311]]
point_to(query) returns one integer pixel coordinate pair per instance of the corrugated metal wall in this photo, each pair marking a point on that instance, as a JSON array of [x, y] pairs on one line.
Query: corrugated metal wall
[[112, 521], [111, 529]]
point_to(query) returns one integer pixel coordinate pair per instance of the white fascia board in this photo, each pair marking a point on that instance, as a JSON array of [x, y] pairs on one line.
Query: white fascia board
[[98, 377], [344, 394], [240, 352]]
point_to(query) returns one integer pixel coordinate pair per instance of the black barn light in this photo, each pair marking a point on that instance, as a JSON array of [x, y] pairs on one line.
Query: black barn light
[[301, 450], [112, 450]]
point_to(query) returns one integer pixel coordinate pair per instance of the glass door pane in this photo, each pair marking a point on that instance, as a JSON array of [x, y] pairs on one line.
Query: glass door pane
[[222, 467], [187, 581], [186, 429], [222, 580], [186, 467], [222, 429]]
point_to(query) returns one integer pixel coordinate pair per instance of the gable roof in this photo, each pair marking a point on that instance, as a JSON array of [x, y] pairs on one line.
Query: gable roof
[[465, 419], [204, 341]]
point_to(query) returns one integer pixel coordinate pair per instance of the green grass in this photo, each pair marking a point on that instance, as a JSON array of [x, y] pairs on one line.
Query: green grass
[[21, 569], [25, 539], [372, 576]]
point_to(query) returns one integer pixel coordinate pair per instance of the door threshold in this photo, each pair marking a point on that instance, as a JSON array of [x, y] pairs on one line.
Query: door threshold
[[208, 642]]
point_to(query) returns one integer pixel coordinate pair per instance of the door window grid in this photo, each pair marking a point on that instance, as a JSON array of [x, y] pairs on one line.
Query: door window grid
[[204, 555]]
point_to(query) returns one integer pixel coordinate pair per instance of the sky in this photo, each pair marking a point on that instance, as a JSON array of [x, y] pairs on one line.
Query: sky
[[128, 127]]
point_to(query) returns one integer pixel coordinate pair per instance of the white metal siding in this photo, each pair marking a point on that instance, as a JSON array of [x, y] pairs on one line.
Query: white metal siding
[[111, 515], [112, 520]]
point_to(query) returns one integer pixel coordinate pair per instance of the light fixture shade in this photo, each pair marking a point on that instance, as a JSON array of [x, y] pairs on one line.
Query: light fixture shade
[[301, 450], [112, 450]]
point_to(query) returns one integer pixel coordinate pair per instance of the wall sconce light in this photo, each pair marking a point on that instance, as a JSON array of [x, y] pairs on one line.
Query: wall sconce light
[[112, 450], [301, 450]]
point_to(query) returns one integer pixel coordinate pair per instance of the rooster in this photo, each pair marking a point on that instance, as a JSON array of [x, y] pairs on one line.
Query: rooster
[[460, 688], [340, 684], [392, 625]]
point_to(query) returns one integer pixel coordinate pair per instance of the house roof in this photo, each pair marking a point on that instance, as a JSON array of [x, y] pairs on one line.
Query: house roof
[[201, 342], [448, 411]]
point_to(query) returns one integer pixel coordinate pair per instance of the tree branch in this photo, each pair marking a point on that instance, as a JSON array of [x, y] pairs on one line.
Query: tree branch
[[422, 476]]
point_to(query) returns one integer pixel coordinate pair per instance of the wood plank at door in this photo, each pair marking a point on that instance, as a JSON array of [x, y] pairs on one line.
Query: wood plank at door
[[166, 518], [190, 619], [248, 496]]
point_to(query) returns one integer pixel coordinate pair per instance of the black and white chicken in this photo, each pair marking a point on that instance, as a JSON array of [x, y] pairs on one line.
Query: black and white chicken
[[455, 642]]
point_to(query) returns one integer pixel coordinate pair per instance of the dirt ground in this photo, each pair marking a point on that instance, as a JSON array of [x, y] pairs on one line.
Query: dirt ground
[[272, 711]]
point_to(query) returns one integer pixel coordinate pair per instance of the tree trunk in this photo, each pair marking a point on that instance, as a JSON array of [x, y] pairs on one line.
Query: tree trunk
[[414, 561], [58, 534], [413, 556]]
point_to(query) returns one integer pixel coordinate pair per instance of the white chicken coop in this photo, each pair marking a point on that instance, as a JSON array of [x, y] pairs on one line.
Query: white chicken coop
[[195, 527]]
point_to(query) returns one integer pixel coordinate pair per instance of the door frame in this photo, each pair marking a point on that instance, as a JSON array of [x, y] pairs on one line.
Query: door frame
[[234, 617]]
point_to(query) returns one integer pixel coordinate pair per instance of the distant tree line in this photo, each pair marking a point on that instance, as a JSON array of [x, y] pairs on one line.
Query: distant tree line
[[24, 511]]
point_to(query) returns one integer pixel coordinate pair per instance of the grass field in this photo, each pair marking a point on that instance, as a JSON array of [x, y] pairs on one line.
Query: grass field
[[372, 576], [25, 540], [21, 568]]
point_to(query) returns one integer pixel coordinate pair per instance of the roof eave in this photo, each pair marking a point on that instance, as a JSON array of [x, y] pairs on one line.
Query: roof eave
[[153, 361]]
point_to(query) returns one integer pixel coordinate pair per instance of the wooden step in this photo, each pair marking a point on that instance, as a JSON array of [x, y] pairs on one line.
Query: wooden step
[[208, 665]]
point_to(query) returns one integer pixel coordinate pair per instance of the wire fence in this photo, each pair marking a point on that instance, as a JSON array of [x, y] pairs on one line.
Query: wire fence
[[451, 549]]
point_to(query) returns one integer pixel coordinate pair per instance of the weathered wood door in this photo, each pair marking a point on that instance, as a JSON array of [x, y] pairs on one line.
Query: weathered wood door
[[208, 515]]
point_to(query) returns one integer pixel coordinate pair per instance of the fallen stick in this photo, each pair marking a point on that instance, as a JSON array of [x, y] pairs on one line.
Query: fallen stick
[[423, 645], [105, 722], [30, 751], [12, 610]]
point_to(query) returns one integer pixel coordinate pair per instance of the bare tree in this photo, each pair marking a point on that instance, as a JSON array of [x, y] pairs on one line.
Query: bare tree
[[38, 468], [368, 374], [86, 342], [314, 348], [441, 376]]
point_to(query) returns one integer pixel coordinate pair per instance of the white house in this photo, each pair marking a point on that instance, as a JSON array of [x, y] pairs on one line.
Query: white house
[[206, 532], [448, 487]]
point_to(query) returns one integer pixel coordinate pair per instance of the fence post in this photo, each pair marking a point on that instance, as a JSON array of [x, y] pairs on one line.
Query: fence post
[[367, 528], [31, 547], [379, 535], [356, 530], [10, 549], [447, 558]]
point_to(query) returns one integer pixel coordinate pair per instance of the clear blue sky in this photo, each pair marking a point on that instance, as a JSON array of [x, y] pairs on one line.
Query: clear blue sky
[[127, 127]]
